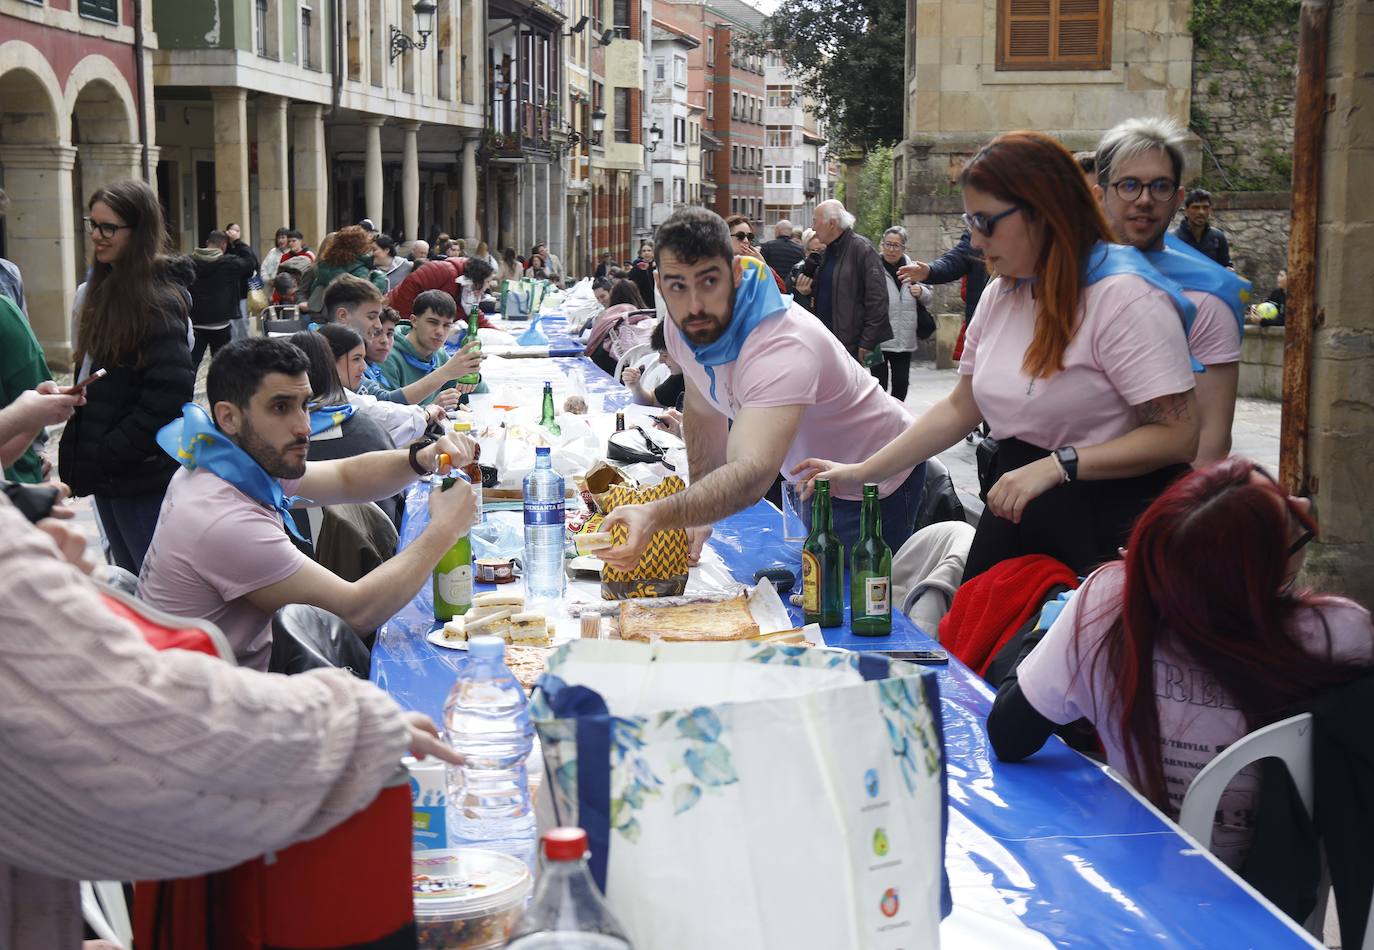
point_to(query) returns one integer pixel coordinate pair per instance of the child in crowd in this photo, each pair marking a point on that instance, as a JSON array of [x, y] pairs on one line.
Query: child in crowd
[[420, 351]]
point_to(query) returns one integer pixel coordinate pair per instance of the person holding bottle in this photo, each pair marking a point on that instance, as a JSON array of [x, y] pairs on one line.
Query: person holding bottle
[[1076, 358], [766, 387]]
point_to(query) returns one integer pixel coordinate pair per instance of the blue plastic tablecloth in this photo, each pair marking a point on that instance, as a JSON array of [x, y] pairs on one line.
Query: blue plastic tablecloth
[[1075, 856]]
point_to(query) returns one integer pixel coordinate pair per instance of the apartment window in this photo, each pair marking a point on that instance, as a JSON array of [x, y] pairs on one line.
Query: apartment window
[[659, 70], [622, 114], [307, 52], [734, 105], [734, 156], [711, 50], [658, 191], [679, 131], [778, 136], [1054, 34], [620, 11], [107, 10], [260, 23], [710, 103], [679, 71], [679, 190], [596, 18]]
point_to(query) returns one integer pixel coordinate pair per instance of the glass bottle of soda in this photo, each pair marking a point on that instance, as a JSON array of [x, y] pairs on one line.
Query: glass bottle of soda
[[822, 564], [474, 318], [870, 572], [567, 912], [453, 573]]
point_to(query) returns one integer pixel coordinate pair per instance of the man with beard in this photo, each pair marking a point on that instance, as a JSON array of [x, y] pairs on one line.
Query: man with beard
[[767, 385], [1139, 167], [221, 550]]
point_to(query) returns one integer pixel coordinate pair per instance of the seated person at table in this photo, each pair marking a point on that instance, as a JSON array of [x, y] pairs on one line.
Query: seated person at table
[[404, 424], [357, 303], [1189, 644], [453, 277], [221, 550], [667, 394], [767, 385], [622, 308], [418, 352], [216, 765]]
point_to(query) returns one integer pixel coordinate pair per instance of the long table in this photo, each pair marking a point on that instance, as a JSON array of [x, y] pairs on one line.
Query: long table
[[1052, 851]]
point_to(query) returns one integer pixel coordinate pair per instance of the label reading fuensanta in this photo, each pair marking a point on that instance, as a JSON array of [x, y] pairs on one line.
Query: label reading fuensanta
[[455, 587], [811, 583], [876, 596]]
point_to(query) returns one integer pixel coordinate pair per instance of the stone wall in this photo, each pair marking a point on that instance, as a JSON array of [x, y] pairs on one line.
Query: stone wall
[[1244, 81], [1261, 364], [1256, 225]]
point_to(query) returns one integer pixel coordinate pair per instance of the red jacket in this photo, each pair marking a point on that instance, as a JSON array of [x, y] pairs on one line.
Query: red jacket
[[994, 605]]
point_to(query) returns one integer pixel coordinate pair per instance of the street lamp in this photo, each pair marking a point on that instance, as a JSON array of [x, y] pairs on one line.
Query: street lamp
[[424, 26], [655, 136], [598, 125]]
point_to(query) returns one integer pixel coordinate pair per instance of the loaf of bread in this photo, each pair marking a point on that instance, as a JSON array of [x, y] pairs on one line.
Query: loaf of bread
[[641, 619]]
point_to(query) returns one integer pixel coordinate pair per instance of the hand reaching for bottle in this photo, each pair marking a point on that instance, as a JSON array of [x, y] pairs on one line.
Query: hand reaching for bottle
[[808, 470]]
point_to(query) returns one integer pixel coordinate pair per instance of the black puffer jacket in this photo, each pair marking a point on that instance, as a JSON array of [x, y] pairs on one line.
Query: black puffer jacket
[[221, 281], [109, 446]]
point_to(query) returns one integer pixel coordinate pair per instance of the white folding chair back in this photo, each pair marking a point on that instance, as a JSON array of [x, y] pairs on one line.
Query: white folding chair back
[[1289, 741], [655, 374], [106, 912], [631, 355]]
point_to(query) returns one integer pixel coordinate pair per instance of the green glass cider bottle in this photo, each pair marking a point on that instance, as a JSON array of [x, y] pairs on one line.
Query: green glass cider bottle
[[870, 572], [453, 573], [472, 379], [822, 564], [546, 419]]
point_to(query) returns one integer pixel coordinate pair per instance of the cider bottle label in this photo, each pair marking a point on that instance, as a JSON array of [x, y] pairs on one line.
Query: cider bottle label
[[811, 584], [876, 596]]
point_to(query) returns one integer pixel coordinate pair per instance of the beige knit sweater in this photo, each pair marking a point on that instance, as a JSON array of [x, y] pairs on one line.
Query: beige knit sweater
[[119, 763]]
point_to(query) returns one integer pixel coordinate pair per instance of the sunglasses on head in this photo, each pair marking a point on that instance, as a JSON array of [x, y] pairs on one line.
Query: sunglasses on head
[[986, 224]]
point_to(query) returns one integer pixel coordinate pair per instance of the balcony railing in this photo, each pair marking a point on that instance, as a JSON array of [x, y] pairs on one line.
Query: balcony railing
[[520, 127]]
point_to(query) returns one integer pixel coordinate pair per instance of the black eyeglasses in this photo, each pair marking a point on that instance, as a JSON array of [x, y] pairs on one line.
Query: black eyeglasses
[[1302, 540], [985, 224], [106, 229], [742, 236], [1161, 189], [1304, 520]]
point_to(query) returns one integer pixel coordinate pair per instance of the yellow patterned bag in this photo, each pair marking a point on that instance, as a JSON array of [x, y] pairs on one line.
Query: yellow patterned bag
[[662, 569]]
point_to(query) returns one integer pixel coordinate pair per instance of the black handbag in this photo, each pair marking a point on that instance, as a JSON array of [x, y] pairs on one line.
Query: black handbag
[[925, 323], [625, 447], [986, 454]]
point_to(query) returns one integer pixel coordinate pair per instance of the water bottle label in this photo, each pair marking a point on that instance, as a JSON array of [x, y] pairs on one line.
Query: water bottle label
[[544, 512], [876, 596], [455, 586]]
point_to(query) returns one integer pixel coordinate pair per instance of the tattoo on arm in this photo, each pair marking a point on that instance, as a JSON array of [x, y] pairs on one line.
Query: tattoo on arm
[[1171, 408]]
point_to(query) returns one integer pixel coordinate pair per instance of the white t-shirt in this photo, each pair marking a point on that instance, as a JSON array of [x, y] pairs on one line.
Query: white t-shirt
[[793, 360], [213, 545], [1129, 348], [1197, 721]]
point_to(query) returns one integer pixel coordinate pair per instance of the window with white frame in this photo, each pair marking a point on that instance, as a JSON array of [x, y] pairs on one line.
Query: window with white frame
[[680, 70], [679, 190], [660, 69], [679, 130]]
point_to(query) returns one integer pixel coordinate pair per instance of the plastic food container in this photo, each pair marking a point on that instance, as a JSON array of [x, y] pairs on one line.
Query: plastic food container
[[467, 899]]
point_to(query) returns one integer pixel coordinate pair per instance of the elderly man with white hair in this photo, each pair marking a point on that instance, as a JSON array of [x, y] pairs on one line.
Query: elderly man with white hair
[[783, 252], [850, 290]]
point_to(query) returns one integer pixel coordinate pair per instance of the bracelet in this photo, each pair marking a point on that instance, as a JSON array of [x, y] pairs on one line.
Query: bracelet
[[1063, 473]]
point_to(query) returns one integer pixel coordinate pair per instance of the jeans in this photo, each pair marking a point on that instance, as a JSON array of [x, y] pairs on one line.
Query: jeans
[[129, 524], [238, 327], [898, 510]]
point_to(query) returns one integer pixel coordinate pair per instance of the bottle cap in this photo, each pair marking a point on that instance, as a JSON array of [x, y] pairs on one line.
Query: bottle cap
[[461, 426], [541, 450], [565, 844], [445, 463], [483, 648]]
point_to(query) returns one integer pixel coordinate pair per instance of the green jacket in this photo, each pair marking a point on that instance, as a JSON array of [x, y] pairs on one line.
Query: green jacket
[[362, 267], [22, 367], [400, 366]]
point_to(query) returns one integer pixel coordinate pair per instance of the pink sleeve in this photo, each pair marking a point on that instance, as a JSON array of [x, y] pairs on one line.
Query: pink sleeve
[[776, 375], [241, 555], [1215, 339], [975, 326], [1138, 342], [1057, 676]]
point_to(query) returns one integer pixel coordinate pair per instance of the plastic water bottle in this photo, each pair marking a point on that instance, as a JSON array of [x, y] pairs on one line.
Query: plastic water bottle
[[567, 912], [544, 575], [487, 720]]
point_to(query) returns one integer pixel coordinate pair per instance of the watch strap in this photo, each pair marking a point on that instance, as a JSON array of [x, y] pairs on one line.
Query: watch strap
[[1067, 456], [415, 448]]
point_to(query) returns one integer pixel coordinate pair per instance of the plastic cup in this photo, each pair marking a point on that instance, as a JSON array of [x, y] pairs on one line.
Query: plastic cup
[[793, 512]]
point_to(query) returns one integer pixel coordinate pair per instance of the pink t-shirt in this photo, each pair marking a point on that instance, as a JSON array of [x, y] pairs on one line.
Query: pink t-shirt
[[793, 360], [1129, 348], [213, 545], [1196, 720], [1215, 338]]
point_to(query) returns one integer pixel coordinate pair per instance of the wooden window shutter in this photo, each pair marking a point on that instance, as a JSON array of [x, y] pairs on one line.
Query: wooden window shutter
[[1054, 34]]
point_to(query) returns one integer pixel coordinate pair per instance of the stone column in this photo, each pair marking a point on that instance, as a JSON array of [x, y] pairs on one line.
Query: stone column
[[312, 173], [1340, 455], [231, 159], [468, 194], [102, 164], [41, 240], [372, 176], [274, 193], [410, 181]]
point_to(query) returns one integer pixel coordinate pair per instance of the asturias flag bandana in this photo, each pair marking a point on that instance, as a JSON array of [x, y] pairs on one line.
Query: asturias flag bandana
[[195, 443]]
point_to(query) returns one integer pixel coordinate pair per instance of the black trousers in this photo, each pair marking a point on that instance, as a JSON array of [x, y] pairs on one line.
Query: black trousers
[[214, 339], [901, 374], [1081, 523]]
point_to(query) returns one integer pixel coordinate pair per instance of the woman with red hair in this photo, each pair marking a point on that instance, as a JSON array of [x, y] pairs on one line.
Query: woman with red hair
[[1076, 358], [1190, 643]]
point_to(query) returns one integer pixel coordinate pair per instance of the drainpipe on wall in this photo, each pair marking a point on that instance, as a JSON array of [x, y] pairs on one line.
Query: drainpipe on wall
[[336, 67], [141, 91], [1309, 122]]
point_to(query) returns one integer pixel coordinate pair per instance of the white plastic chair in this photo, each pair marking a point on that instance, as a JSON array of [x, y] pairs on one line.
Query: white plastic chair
[[633, 354], [105, 911], [1289, 741]]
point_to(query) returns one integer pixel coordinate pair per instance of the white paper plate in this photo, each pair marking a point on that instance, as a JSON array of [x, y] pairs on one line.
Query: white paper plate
[[437, 638]]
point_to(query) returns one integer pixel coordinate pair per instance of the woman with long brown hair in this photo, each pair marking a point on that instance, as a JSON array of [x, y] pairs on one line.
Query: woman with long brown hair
[[1076, 358], [1189, 644], [134, 326], [347, 251]]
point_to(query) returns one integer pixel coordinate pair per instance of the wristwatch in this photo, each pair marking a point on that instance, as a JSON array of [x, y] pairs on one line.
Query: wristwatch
[[1068, 461], [415, 448]]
